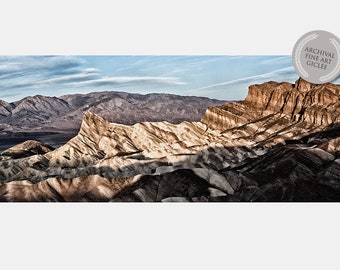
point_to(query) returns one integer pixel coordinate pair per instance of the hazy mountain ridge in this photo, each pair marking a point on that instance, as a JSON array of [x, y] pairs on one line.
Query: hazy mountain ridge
[[281, 144], [43, 113]]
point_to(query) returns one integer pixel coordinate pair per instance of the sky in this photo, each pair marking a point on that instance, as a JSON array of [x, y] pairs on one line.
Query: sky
[[215, 76]]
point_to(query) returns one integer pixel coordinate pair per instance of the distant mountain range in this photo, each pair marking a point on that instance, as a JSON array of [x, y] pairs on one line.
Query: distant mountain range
[[43, 113], [55, 120], [282, 143]]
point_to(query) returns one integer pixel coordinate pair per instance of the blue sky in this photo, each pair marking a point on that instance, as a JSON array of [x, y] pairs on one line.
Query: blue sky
[[221, 77]]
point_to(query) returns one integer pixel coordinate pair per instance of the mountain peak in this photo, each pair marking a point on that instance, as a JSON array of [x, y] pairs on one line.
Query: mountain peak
[[279, 144], [303, 102], [37, 113], [92, 122]]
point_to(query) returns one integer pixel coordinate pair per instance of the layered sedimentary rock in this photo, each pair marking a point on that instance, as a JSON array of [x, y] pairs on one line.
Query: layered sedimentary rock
[[280, 144], [25, 149], [301, 102]]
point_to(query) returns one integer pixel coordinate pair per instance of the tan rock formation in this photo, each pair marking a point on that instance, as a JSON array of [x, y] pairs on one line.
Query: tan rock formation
[[299, 102], [280, 143]]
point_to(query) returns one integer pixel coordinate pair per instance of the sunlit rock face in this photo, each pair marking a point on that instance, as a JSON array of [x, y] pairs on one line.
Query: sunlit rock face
[[300, 102], [281, 143]]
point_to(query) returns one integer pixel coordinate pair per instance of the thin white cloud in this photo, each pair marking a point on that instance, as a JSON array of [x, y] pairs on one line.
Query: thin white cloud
[[84, 75], [135, 80], [39, 62], [38, 67], [41, 71], [27, 75], [277, 60], [283, 73]]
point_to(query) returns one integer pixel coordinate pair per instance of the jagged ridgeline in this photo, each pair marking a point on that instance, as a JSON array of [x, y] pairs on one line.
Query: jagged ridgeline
[[280, 144], [55, 120], [37, 113]]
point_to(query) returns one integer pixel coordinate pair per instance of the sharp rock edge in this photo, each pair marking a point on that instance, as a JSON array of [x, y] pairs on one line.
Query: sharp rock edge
[[280, 144]]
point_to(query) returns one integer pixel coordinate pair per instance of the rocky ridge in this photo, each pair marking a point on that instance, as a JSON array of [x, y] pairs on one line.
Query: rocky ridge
[[299, 102], [280, 144], [43, 113], [26, 149]]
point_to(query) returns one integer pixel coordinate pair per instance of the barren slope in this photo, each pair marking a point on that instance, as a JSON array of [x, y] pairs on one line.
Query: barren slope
[[280, 144]]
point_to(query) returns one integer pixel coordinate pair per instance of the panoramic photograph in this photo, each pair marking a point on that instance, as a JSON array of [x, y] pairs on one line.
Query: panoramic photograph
[[171, 128]]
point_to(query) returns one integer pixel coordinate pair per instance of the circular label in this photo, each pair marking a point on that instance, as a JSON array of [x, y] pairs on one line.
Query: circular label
[[316, 57]]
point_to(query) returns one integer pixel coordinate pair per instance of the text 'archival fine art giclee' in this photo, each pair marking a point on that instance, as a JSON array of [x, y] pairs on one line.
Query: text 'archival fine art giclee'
[[167, 128]]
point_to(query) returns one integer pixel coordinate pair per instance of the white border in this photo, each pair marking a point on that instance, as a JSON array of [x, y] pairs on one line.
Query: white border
[[160, 27], [144, 236]]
